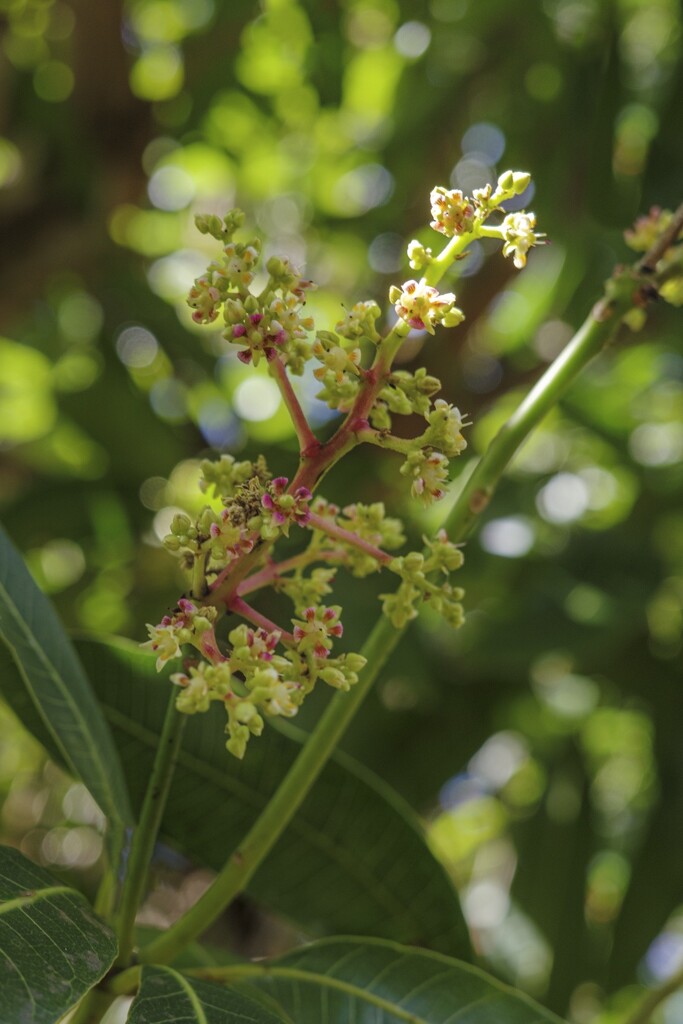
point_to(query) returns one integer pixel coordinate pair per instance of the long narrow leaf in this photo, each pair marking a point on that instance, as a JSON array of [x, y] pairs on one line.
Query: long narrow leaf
[[53, 677]]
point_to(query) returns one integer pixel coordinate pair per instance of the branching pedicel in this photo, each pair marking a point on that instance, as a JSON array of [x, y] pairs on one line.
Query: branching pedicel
[[228, 553]]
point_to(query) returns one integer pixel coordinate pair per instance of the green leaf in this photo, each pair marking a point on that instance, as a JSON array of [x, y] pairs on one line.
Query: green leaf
[[53, 677], [165, 995], [53, 947], [353, 859], [340, 980]]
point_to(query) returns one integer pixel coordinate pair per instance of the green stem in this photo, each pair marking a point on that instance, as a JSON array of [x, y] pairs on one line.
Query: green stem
[[280, 809], [591, 338], [146, 832], [455, 248], [652, 1000], [107, 892], [383, 439], [81, 1014], [199, 574], [125, 983]]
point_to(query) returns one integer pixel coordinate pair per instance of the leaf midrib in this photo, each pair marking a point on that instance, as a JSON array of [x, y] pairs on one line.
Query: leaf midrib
[[321, 981], [21, 902], [190, 993]]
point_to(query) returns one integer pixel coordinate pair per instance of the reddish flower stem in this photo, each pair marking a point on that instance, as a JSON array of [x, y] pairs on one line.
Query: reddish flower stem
[[307, 439], [317, 459], [311, 471], [240, 607], [220, 579], [347, 537], [274, 570]]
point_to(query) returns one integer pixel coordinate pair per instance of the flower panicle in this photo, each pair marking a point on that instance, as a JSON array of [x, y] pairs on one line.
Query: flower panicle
[[260, 669]]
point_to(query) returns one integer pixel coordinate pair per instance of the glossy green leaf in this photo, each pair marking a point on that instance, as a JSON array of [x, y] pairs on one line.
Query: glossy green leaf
[[53, 947], [53, 678], [373, 982], [165, 995], [353, 859]]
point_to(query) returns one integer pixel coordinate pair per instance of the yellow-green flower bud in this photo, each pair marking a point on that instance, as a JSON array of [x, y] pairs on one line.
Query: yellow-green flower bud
[[239, 737], [379, 416], [444, 555], [400, 607], [275, 266], [201, 623], [413, 562], [181, 525], [359, 322], [194, 695], [445, 426], [245, 712], [428, 470], [355, 662], [518, 232], [334, 677], [418, 256]]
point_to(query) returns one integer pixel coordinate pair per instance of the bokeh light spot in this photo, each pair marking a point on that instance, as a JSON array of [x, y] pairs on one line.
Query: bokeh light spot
[[563, 499], [157, 74], [486, 140], [256, 399], [217, 423], [53, 81], [363, 188], [163, 519], [80, 317], [169, 275], [386, 253], [657, 444], [586, 604], [543, 81], [136, 347], [412, 39], [152, 492], [498, 759], [473, 171], [170, 188], [509, 537], [10, 163], [168, 398], [62, 562]]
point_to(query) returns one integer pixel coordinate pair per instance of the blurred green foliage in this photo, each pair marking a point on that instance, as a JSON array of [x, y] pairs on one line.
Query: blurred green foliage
[[544, 740]]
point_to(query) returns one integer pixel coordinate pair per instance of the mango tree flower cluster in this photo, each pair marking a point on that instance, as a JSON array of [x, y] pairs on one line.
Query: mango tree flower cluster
[[262, 668]]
